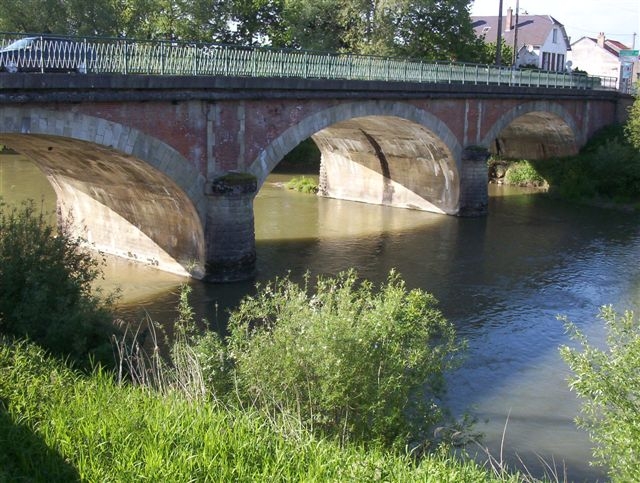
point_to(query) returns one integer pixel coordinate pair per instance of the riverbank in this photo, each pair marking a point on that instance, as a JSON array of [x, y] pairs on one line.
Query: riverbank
[[605, 176], [62, 425]]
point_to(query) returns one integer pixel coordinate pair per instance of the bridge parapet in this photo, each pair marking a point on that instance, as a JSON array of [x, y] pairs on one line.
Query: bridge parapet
[[170, 58]]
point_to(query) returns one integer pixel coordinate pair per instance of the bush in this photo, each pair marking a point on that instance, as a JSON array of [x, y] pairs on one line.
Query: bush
[[607, 168], [523, 173], [46, 288], [345, 361], [632, 127], [303, 185], [608, 382]]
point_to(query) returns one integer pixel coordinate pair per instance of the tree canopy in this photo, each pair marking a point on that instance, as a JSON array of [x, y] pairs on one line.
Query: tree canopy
[[421, 29]]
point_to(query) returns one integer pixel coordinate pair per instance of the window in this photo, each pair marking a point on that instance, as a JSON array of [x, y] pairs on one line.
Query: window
[[555, 36], [552, 64], [560, 64], [546, 58]]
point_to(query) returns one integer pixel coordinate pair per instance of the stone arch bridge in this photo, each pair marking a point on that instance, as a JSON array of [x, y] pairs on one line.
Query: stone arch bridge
[[164, 170]]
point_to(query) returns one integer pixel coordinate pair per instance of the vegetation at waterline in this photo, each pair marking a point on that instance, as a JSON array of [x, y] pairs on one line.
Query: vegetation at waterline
[[46, 290], [606, 170], [313, 383], [607, 381], [57, 425], [331, 386], [302, 184]]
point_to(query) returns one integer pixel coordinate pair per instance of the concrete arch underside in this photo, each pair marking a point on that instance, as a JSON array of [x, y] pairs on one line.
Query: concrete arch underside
[[535, 130], [119, 189], [378, 152]]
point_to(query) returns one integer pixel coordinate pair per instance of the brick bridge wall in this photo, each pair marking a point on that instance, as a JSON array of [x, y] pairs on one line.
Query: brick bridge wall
[[149, 155]]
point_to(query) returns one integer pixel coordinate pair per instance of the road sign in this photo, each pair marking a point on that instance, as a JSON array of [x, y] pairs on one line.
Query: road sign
[[629, 53]]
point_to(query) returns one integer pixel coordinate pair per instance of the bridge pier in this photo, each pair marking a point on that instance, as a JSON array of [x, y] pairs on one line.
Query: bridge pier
[[474, 179], [229, 230]]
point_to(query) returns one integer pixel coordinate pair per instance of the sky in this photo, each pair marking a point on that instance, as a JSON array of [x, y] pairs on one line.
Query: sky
[[618, 19]]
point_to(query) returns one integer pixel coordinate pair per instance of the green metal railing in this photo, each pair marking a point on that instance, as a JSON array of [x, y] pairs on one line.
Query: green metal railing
[[128, 56]]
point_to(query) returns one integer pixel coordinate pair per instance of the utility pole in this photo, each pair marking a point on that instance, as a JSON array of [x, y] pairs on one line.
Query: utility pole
[[515, 36], [499, 42]]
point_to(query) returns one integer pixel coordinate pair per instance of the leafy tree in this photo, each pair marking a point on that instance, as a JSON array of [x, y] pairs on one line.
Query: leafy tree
[[632, 127], [257, 22], [486, 53], [313, 25], [434, 30], [46, 292], [422, 29], [607, 380], [33, 16]]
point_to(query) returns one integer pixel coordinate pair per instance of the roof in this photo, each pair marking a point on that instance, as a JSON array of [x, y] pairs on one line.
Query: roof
[[612, 46], [532, 29]]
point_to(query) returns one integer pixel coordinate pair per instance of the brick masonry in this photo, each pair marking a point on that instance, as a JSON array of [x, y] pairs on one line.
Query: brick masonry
[[193, 131]]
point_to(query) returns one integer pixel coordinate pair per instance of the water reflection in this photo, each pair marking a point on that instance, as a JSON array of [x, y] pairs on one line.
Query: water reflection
[[501, 279]]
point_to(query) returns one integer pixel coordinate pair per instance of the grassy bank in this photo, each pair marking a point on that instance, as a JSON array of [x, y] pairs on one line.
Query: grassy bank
[[59, 425]]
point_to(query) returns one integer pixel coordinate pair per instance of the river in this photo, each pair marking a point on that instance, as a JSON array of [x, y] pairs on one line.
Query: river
[[501, 279]]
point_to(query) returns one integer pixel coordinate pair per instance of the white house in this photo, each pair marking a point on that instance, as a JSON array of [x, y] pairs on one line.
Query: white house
[[601, 57], [539, 40]]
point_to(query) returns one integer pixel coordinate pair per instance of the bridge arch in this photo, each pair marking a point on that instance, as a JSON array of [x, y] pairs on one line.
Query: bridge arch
[[534, 130], [383, 152], [124, 191]]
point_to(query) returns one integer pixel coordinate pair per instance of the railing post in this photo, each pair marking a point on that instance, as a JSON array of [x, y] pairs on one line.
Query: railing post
[[421, 67], [194, 64], [126, 57], [41, 60], [254, 70], [161, 57], [84, 56]]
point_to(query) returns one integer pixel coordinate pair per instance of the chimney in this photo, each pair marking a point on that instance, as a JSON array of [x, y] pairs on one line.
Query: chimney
[[509, 21], [601, 40]]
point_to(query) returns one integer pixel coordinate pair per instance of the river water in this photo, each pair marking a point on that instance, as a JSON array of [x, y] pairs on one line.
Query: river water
[[501, 279]]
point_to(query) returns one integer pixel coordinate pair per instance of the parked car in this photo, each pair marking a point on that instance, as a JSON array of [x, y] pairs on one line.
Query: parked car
[[47, 54]]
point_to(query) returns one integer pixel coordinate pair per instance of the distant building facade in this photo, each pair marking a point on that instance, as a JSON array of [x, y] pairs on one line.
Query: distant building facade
[[602, 57], [539, 41]]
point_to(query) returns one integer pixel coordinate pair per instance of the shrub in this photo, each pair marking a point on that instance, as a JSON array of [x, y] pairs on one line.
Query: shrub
[[607, 380], [632, 127], [46, 287], [303, 185], [523, 173], [347, 361]]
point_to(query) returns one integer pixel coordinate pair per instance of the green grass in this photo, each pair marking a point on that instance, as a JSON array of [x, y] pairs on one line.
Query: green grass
[[59, 425]]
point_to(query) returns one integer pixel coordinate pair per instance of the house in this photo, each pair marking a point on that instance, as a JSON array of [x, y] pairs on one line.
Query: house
[[542, 41], [602, 57]]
